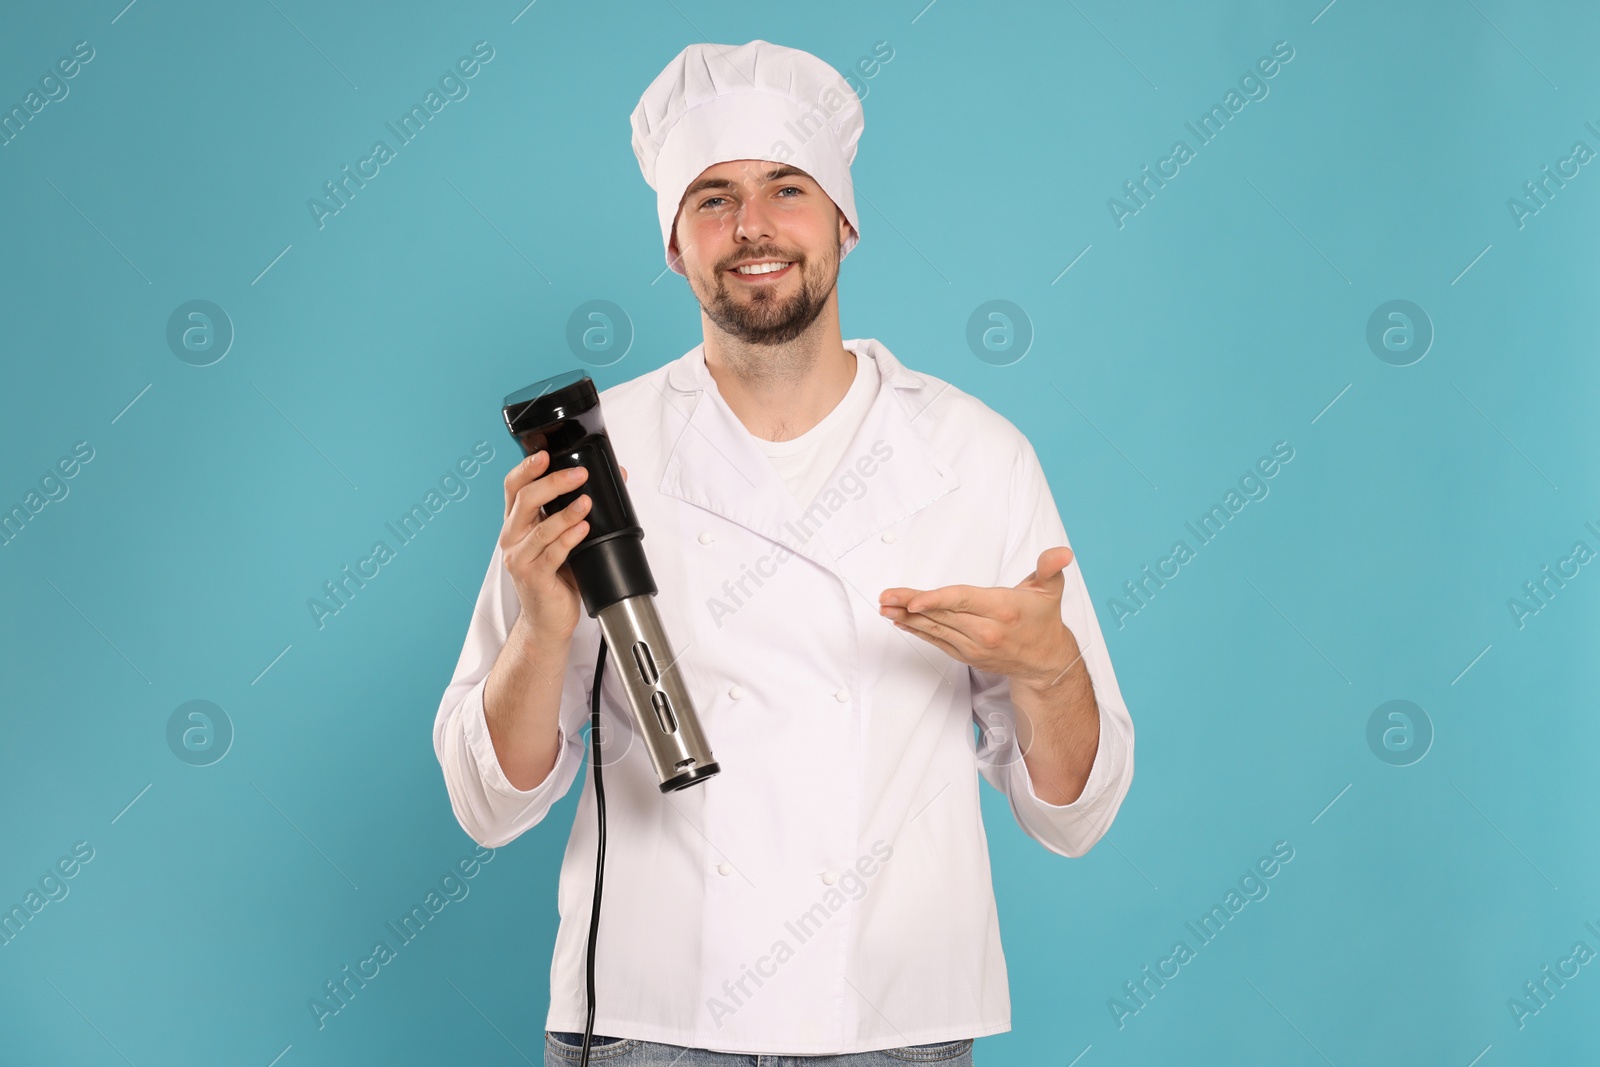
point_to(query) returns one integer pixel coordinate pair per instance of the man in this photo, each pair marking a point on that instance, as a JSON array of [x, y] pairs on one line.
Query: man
[[856, 563]]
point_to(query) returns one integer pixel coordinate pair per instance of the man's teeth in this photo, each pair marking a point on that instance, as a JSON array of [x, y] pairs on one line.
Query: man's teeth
[[761, 268]]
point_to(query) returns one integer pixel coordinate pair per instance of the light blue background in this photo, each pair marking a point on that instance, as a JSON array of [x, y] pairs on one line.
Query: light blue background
[[1223, 317]]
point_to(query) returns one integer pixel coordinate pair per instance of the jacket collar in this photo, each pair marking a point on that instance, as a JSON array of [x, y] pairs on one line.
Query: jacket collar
[[715, 463]]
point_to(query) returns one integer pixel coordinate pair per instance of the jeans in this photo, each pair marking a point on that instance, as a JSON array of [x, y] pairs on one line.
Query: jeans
[[564, 1049]]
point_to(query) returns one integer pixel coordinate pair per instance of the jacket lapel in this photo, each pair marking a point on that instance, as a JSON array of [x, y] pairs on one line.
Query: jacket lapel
[[716, 465]]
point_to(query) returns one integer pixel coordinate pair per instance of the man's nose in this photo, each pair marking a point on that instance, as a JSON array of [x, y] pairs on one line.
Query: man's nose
[[754, 221]]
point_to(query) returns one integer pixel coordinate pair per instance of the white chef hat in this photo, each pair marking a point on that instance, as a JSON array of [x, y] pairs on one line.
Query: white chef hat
[[759, 100]]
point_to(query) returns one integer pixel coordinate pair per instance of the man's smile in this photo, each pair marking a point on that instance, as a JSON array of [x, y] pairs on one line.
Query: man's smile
[[768, 270]]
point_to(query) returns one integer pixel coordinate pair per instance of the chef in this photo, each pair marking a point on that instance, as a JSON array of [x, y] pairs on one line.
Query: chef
[[857, 563]]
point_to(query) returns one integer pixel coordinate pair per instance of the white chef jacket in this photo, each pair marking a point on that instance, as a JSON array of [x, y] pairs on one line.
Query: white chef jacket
[[829, 891]]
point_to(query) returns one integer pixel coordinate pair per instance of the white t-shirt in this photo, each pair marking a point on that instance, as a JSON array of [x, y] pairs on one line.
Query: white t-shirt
[[805, 462]]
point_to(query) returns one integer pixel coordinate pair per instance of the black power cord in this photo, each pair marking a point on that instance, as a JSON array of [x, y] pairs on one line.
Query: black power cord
[[600, 859]]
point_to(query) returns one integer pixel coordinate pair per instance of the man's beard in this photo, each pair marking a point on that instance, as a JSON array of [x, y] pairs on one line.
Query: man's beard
[[764, 318]]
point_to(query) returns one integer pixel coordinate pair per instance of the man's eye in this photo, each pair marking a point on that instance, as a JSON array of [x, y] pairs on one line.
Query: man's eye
[[712, 200]]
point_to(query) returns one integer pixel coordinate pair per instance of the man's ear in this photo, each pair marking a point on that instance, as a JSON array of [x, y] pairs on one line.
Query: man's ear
[[675, 247]]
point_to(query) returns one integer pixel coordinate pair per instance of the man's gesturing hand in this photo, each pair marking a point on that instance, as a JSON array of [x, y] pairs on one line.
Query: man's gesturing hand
[[1016, 632]]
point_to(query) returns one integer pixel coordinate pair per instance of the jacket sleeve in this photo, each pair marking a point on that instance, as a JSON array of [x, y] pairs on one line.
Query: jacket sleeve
[[1067, 829], [489, 808]]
